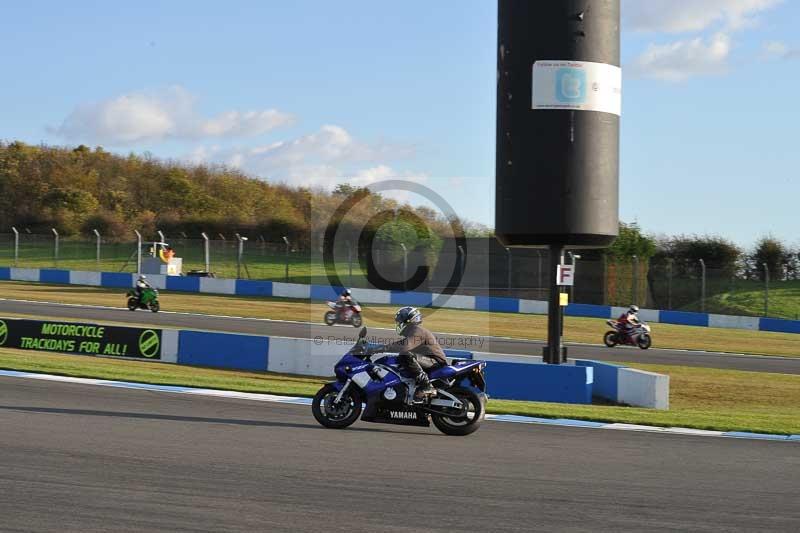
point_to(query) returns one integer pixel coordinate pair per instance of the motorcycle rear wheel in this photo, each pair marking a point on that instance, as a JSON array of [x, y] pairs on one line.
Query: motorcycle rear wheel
[[644, 341], [330, 318], [468, 423], [610, 339], [133, 304], [356, 320], [332, 416]]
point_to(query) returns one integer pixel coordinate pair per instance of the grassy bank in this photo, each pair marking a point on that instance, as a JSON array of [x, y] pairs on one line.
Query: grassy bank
[[784, 300], [584, 330], [725, 400]]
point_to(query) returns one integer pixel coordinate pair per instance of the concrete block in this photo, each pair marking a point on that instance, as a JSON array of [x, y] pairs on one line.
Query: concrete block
[[733, 322], [453, 301], [169, 345], [647, 315], [643, 389], [218, 285], [534, 307], [291, 290], [80, 277], [304, 356], [24, 274], [372, 296]]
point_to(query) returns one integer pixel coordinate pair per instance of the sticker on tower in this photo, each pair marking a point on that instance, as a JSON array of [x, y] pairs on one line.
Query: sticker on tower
[[577, 85]]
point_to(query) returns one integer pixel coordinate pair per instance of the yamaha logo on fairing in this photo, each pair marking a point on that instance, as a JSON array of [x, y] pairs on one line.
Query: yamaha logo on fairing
[[403, 414]]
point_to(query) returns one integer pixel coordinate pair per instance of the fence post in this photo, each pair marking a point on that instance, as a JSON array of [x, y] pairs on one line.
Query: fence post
[[766, 289], [702, 286], [539, 272], [206, 252], [97, 237], [239, 256], [462, 265], [138, 251], [669, 282], [635, 280], [574, 259], [16, 245], [286, 273], [508, 271], [350, 263], [405, 266], [55, 247]]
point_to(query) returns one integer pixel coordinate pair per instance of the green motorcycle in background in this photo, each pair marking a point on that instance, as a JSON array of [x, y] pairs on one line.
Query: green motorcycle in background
[[149, 300]]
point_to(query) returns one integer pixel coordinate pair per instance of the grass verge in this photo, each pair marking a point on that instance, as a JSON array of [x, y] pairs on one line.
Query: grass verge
[[725, 400], [576, 329]]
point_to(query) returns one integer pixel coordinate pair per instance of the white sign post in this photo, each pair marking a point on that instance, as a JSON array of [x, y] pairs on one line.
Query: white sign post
[[565, 275]]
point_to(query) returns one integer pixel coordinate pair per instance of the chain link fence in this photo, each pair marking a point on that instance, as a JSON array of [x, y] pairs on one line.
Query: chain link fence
[[479, 267]]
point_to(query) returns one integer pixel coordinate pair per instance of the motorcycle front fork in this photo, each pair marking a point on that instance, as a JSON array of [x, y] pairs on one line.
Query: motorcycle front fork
[[342, 392]]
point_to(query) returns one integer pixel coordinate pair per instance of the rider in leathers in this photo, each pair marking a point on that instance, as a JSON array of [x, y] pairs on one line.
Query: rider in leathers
[[417, 350], [141, 285], [629, 319]]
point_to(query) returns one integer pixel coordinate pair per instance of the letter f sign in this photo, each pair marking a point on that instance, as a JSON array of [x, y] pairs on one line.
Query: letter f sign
[[564, 275]]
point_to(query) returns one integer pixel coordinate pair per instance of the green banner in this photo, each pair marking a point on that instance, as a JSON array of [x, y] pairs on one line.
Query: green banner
[[79, 338]]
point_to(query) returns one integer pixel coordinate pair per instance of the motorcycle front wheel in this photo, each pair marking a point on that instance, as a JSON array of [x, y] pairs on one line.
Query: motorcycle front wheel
[[154, 306], [332, 415], [610, 339], [466, 422], [356, 320], [133, 304], [644, 341], [330, 318]]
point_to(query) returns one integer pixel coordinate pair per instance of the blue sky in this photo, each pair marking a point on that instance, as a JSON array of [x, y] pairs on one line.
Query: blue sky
[[317, 93]]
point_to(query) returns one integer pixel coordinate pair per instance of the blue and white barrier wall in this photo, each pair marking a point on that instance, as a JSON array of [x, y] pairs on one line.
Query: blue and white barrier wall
[[241, 287], [513, 380], [628, 386]]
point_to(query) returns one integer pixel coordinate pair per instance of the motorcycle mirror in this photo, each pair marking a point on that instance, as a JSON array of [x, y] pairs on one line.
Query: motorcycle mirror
[[362, 333]]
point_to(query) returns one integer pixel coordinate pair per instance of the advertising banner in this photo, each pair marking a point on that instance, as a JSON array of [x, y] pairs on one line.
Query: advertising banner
[[79, 338]]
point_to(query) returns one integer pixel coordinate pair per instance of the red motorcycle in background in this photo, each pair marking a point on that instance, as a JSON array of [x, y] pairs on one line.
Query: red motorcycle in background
[[638, 335], [344, 313]]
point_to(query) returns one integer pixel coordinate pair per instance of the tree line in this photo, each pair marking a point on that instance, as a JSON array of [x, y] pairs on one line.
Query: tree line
[[77, 190]]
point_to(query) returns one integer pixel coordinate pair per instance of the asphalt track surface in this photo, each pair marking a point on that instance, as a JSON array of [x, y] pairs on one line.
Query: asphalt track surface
[[88, 458], [326, 334]]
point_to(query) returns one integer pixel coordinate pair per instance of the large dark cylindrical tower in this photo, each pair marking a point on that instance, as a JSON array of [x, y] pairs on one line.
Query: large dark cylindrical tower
[[558, 108]]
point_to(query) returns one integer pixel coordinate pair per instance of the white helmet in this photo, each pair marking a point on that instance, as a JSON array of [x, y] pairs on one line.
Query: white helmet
[[634, 309]]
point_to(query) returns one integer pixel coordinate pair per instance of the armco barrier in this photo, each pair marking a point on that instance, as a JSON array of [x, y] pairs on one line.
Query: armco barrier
[[374, 296]]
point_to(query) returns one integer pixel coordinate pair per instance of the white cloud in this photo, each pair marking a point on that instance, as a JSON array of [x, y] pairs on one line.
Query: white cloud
[[779, 50], [678, 16], [324, 158], [680, 60], [158, 115]]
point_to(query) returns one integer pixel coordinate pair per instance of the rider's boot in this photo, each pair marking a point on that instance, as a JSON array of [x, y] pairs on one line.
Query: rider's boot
[[424, 388]]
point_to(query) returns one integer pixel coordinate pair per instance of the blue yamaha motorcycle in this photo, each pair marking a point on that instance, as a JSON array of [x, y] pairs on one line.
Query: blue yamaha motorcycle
[[387, 390]]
